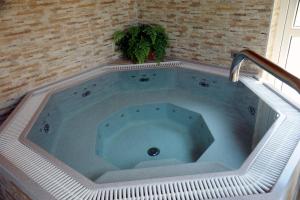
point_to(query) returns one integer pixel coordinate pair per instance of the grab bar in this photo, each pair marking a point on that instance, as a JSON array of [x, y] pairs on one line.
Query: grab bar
[[265, 64]]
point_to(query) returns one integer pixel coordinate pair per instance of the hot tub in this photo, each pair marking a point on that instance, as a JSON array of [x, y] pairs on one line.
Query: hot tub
[[168, 130]]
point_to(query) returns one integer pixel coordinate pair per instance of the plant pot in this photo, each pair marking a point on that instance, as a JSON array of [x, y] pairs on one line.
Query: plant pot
[[151, 55]]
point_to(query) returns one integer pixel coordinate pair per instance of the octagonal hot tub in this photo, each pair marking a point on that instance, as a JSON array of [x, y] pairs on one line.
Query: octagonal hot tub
[[109, 124], [173, 123]]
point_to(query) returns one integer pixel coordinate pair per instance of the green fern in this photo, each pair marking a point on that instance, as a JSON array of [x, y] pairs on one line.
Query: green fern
[[138, 41], [161, 43], [151, 32], [118, 36], [134, 31], [141, 51]]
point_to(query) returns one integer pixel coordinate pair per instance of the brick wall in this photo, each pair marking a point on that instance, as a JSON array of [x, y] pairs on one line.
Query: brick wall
[[43, 41], [208, 30]]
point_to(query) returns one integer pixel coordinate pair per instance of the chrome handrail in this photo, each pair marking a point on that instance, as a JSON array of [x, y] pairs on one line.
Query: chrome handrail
[[265, 64]]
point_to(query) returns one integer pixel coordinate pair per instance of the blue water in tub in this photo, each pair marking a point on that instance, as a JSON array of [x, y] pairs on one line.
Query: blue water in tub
[[149, 123]]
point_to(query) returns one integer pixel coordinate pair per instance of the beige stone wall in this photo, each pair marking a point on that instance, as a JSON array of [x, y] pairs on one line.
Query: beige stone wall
[[43, 41], [208, 30], [46, 40]]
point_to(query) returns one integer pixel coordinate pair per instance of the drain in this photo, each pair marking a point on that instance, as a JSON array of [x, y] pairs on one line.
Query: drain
[[153, 151]]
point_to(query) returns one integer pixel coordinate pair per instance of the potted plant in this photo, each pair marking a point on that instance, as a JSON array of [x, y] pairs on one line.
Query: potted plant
[[142, 41]]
